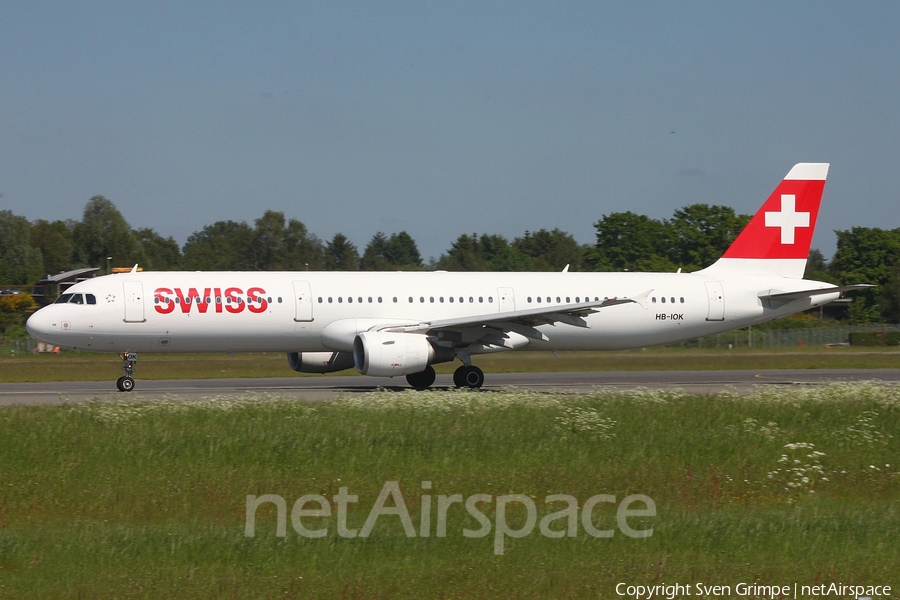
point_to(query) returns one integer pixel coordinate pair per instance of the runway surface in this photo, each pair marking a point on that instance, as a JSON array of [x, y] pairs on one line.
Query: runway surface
[[328, 388]]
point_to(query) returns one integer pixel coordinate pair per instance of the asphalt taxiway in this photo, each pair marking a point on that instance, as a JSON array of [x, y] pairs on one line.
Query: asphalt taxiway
[[328, 388]]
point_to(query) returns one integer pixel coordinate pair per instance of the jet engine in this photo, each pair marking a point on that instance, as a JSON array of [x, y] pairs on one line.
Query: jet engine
[[386, 354], [320, 362]]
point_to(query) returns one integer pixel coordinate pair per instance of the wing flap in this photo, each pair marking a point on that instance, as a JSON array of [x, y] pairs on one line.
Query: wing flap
[[522, 322]]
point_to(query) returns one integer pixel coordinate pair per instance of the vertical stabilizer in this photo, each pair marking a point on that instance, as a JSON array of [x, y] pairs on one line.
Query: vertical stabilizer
[[777, 239]]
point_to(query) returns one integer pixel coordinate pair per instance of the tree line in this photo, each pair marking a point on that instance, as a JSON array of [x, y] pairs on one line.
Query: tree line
[[693, 238]]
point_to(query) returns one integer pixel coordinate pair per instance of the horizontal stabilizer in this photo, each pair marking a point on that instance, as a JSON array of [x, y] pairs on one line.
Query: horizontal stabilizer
[[786, 296]]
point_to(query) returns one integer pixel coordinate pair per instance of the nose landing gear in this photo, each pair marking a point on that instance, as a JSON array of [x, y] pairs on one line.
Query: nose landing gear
[[125, 383]]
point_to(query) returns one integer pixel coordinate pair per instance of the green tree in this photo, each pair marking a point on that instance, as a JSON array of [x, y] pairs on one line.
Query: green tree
[[403, 252], [549, 250], [373, 258], [54, 240], [284, 246], [222, 246], [396, 253], [817, 268], [889, 298], [14, 310], [341, 254], [20, 262], [700, 234], [632, 242], [160, 254], [103, 232], [866, 255], [487, 252]]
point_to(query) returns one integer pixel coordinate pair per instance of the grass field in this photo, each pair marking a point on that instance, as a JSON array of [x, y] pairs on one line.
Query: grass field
[[72, 366], [148, 500]]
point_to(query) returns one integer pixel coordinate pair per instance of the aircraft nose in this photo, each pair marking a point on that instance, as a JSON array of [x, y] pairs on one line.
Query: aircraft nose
[[38, 326]]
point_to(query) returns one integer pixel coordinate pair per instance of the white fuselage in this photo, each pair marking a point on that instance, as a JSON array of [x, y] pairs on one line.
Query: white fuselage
[[321, 311]]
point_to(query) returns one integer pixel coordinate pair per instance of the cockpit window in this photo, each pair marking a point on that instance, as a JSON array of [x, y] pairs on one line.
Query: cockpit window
[[76, 299]]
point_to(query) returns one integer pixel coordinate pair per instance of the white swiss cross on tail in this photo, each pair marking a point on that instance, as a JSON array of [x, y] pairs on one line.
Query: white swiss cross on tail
[[788, 219], [778, 237]]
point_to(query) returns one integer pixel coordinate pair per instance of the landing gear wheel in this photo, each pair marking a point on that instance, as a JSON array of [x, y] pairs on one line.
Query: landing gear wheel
[[125, 383], [470, 376], [422, 379], [458, 380]]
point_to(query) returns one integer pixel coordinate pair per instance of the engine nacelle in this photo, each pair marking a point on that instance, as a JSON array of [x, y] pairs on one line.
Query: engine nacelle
[[386, 354], [320, 362]]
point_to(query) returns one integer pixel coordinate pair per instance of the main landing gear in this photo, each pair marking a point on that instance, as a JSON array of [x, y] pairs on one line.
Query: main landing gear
[[125, 383], [422, 379], [468, 376], [465, 376]]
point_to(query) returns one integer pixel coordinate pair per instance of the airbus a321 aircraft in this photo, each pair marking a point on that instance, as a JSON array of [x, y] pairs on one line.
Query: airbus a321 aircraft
[[391, 324]]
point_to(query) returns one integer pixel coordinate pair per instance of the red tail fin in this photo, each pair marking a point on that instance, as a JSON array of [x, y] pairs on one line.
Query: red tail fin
[[783, 227], [778, 237]]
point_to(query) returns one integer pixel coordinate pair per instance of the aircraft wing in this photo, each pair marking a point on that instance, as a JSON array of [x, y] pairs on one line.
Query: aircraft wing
[[493, 329]]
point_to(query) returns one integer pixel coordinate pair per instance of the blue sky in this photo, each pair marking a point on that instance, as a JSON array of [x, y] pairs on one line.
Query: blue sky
[[445, 118]]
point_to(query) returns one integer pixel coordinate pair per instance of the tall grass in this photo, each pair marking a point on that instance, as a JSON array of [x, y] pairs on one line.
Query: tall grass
[[148, 499]]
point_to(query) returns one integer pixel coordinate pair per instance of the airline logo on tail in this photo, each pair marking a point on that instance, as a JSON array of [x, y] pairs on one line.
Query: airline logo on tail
[[783, 227], [788, 219]]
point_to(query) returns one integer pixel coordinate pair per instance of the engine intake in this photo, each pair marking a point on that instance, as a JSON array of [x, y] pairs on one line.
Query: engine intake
[[319, 362]]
